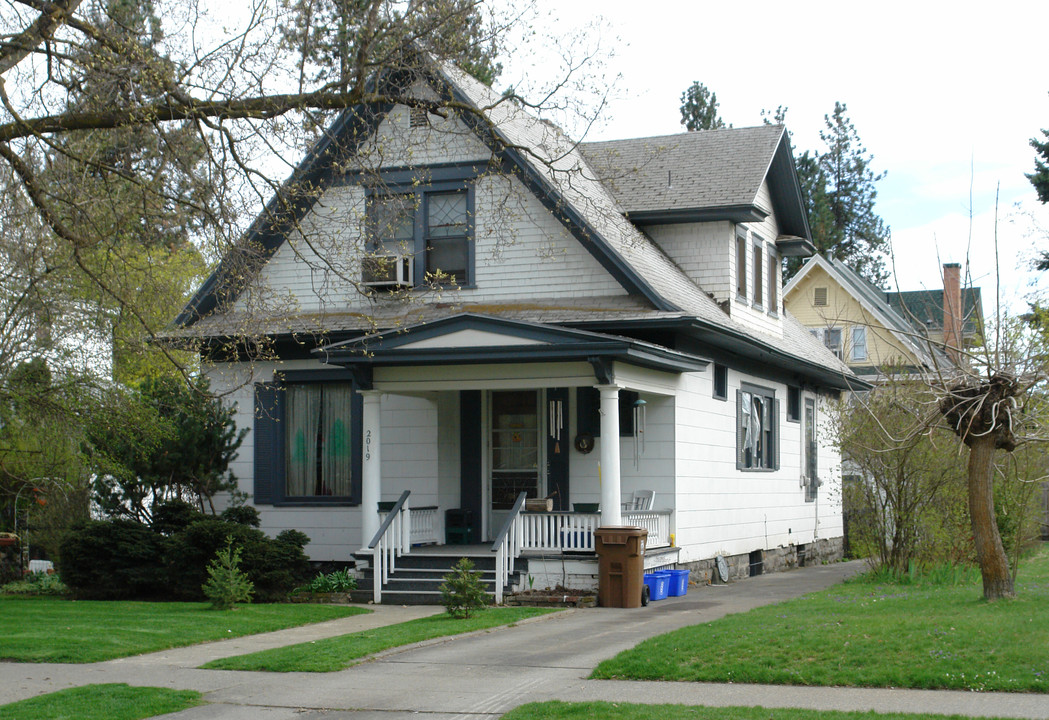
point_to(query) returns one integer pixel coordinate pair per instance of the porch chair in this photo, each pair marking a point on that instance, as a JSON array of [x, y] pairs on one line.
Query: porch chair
[[641, 500]]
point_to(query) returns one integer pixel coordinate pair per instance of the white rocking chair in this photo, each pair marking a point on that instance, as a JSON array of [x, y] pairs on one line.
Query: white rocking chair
[[641, 500]]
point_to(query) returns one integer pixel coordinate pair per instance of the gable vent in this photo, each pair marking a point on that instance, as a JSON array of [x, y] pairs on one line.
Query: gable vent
[[418, 117], [819, 297]]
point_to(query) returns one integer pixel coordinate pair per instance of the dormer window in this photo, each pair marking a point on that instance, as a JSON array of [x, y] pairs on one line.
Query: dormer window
[[759, 263], [741, 266], [773, 283]]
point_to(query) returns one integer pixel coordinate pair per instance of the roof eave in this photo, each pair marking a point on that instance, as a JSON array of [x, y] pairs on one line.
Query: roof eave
[[733, 213]]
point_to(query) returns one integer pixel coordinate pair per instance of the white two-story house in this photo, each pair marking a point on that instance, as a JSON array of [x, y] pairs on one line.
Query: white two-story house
[[464, 311]]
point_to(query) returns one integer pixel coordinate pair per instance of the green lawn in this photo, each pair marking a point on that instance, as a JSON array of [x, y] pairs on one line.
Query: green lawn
[[337, 653], [55, 630], [101, 702], [625, 711], [864, 634]]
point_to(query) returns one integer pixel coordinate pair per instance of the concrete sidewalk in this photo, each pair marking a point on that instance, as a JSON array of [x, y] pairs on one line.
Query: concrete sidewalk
[[486, 674]]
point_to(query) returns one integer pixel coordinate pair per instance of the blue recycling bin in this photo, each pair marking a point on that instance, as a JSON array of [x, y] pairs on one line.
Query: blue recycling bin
[[678, 583], [658, 584]]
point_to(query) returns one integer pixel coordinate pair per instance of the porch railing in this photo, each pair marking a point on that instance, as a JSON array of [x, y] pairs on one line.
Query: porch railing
[[574, 532], [657, 522], [558, 531], [392, 540], [424, 525], [507, 547]]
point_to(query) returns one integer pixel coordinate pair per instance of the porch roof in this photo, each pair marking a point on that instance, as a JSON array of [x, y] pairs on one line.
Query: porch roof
[[469, 339]]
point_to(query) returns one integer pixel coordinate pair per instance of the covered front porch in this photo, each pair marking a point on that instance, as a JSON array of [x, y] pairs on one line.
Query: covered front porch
[[513, 435]]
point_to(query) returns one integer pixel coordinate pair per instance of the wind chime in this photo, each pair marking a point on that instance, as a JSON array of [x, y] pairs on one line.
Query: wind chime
[[556, 423], [639, 431]]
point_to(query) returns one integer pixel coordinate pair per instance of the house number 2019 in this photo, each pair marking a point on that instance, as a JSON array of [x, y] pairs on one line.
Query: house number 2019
[[368, 445]]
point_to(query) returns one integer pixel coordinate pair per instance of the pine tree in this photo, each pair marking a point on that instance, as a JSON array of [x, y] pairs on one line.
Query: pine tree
[[1040, 177], [327, 34], [699, 108], [840, 192], [227, 584]]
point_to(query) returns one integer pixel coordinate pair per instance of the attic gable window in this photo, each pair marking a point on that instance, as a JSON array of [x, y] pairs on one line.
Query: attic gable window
[[831, 338], [420, 237], [819, 297]]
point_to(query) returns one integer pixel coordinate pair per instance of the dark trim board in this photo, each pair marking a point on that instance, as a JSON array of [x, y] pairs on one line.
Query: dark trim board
[[731, 213], [471, 483]]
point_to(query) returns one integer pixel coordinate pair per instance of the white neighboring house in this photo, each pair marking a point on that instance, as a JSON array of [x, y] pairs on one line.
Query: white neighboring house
[[615, 325]]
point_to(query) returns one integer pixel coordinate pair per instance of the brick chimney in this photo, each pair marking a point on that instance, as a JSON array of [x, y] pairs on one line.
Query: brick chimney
[[953, 314]]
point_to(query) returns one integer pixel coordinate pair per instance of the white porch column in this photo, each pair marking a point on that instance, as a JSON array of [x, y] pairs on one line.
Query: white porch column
[[371, 476], [611, 486]]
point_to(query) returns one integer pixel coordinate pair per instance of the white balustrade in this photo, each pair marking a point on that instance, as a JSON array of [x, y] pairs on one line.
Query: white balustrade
[[574, 532], [424, 525], [657, 522]]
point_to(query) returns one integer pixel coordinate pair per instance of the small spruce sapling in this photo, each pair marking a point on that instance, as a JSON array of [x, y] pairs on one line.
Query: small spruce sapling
[[227, 584], [462, 592]]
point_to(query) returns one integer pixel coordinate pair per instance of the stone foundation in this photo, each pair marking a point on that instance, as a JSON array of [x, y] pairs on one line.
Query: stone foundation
[[778, 559]]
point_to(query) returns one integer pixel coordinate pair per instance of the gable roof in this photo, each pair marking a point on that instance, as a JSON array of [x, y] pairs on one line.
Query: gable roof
[[556, 171], [708, 175], [470, 338], [873, 301]]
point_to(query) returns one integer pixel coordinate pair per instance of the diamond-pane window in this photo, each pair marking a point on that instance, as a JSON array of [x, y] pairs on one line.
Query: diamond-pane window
[[447, 214], [447, 250]]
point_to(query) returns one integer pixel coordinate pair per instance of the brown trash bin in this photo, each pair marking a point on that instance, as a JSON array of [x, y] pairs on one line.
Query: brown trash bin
[[621, 565]]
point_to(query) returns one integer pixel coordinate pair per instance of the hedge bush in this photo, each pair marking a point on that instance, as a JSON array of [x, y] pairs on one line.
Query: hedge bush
[[114, 560], [124, 559]]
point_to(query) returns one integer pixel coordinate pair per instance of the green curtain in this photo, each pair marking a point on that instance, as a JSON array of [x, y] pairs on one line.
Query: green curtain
[[337, 458], [303, 418]]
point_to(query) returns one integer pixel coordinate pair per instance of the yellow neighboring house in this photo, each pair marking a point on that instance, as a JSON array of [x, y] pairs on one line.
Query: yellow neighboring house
[[871, 329]]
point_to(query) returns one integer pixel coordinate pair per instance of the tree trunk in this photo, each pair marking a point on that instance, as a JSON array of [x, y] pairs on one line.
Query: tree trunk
[[994, 567]]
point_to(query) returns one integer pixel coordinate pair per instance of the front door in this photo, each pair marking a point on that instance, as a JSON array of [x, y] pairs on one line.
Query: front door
[[515, 452]]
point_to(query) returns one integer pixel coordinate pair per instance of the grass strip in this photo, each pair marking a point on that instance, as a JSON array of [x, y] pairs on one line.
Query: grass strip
[[341, 652], [864, 634], [102, 702], [626, 711], [65, 631]]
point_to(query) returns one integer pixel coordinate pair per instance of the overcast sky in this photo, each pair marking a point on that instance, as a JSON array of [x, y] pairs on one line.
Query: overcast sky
[[946, 96]]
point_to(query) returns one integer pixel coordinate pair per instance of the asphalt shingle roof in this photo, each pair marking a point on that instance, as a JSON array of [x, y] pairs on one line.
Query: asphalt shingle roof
[[692, 170]]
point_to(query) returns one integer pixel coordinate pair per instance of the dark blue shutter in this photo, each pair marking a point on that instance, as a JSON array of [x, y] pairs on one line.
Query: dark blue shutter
[[775, 435], [269, 443]]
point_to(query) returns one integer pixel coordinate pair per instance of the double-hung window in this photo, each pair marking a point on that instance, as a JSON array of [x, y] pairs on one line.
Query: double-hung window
[[318, 444], [859, 343], [810, 451], [422, 236], [757, 428]]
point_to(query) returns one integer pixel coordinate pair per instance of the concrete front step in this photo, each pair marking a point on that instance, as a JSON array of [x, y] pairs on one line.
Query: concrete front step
[[418, 578], [443, 562]]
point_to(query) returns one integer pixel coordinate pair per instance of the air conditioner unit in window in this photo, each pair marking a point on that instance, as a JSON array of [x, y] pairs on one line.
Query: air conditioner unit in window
[[387, 271]]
